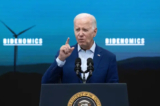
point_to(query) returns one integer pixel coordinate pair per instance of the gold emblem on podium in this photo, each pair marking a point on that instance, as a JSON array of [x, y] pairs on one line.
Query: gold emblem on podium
[[84, 99]]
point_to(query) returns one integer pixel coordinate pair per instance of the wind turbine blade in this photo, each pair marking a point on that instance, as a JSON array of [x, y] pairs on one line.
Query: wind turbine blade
[[9, 28], [25, 30]]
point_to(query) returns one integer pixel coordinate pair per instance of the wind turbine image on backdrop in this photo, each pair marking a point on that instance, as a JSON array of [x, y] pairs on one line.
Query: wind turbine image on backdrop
[[15, 46]]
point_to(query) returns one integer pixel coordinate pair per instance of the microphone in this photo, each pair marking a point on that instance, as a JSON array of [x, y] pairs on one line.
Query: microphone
[[90, 67], [78, 66]]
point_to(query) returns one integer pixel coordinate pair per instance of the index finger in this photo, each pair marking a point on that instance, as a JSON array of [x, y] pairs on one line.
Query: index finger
[[67, 42]]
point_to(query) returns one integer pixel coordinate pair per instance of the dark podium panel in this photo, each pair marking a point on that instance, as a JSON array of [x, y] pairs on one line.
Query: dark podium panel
[[108, 94]]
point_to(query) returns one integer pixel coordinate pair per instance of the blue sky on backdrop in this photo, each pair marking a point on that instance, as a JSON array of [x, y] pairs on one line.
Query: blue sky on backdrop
[[54, 23]]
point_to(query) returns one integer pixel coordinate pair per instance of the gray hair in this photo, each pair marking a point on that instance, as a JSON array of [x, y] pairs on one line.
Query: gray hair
[[82, 15]]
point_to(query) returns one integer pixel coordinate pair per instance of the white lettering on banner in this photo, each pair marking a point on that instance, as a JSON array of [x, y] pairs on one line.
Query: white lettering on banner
[[22, 41], [124, 41]]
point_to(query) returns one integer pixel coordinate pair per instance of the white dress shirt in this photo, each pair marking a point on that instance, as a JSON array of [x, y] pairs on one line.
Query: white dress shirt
[[83, 55]]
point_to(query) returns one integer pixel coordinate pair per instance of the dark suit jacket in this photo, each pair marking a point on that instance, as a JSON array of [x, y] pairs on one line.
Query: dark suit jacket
[[105, 69]]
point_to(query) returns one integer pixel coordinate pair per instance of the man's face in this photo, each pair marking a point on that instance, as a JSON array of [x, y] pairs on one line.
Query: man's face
[[84, 31]]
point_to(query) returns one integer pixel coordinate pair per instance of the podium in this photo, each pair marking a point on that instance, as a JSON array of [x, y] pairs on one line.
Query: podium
[[103, 94]]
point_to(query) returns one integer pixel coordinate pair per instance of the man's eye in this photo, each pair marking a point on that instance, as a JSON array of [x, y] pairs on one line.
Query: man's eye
[[85, 30], [77, 29]]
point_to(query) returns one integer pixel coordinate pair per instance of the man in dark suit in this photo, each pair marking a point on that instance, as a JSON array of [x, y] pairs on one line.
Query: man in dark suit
[[105, 66]]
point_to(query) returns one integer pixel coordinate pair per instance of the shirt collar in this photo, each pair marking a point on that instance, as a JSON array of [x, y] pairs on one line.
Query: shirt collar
[[91, 49]]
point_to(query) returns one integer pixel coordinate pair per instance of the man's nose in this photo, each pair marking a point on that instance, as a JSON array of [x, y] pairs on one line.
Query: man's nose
[[81, 33]]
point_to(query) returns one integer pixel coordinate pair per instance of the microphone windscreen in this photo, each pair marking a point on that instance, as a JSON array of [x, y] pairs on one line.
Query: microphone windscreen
[[89, 60], [78, 60]]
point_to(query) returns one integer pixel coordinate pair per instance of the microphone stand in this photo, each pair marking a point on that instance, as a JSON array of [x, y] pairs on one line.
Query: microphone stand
[[78, 69], [90, 74], [82, 78], [89, 69], [84, 81]]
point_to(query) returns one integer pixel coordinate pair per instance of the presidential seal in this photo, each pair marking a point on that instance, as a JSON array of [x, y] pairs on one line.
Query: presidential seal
[[84, 99]]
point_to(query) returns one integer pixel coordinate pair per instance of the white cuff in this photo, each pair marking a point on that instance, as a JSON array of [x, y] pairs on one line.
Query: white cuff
[[59, 62]]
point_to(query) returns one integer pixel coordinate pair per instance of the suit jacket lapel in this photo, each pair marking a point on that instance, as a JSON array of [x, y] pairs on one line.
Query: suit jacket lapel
[[96, 59]]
